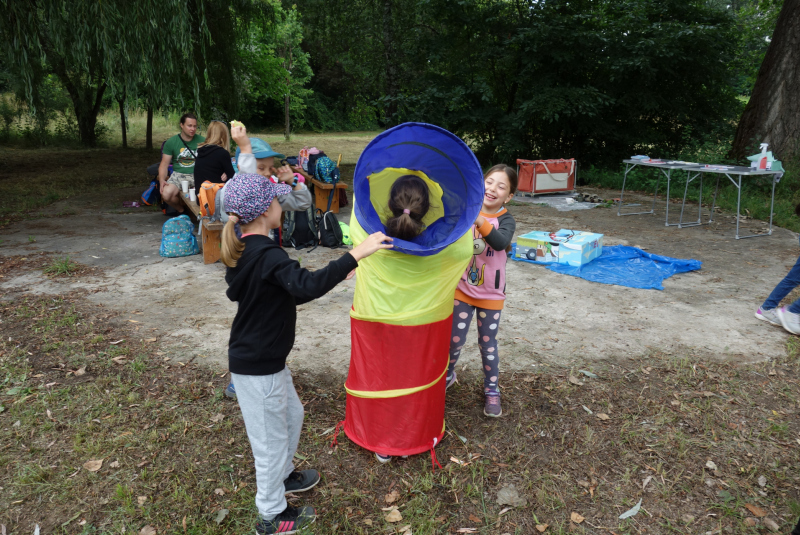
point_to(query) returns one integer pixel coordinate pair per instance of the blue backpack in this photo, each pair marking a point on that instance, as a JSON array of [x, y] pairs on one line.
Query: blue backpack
[[326, 170], [177, 238]]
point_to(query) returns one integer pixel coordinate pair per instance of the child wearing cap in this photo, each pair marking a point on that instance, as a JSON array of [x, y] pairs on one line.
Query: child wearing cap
[[253, 155], [268, 286]]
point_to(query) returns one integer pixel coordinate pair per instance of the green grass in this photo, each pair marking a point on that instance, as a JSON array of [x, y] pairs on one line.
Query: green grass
[[61, 266], [165, 461]]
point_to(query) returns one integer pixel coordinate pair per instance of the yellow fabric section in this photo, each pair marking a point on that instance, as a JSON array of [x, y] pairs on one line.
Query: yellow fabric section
[[381, 183], [378, 394], [402, 289]]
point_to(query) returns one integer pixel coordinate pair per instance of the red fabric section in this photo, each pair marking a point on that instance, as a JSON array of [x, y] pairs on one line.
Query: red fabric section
[[405, 425], [390, 357]]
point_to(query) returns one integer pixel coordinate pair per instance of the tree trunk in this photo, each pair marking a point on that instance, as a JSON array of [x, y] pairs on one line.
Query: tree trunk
[[122, 122], [773, 113], [391, 58], [148, 136], [286, 131]]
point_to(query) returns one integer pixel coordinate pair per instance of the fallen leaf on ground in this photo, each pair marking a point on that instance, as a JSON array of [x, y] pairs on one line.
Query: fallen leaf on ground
[[542, 527], [632, 511], [645, 481], [141, 500], [589, 374], [750, 521], [113, 344], [762, 481], [711, 465], [219, 492], [475, 519], [504, 511], [119, 360], [757, 511], [574, 380], [183, 523], [393, 515], [602, 416], [148, 530], [221, 514], [80, 371], [150, 340], [93, 466], [509, 495], [392, 497], [405, 530], [367, 521], [115, 464], [575, 517], [466, 530], [771, 524], [217, 417]]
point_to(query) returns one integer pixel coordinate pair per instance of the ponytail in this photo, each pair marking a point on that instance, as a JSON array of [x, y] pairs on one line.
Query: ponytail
[[409, 201], [232, 246]]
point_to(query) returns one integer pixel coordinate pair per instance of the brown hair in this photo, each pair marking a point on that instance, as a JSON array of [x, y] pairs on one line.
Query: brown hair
[[409, 201], [232, 247], [510, 173], [187, 116], [217, 134]]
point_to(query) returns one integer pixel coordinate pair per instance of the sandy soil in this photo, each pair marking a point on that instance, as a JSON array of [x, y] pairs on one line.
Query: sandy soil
[[550, 319]]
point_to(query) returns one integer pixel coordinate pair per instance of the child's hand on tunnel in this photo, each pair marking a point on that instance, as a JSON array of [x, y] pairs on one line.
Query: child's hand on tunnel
[[373, 243]]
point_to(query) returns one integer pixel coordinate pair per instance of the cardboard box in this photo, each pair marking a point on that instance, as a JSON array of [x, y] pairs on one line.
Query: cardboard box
[[572, 247]]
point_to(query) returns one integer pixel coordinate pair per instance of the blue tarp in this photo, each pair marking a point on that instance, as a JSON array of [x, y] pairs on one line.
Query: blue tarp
[[625, 266]]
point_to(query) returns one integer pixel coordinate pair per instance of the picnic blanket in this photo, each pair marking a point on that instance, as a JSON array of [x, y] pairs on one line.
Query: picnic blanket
[[625, 266]]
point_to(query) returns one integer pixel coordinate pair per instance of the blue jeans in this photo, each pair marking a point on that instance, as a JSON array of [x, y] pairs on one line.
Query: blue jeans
[[789, 283]]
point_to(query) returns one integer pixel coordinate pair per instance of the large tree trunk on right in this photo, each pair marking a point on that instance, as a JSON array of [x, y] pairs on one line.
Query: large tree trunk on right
[[773, 113]]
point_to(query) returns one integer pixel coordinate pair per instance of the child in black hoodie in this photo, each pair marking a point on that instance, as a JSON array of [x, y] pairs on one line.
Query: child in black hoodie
[[268, 285]]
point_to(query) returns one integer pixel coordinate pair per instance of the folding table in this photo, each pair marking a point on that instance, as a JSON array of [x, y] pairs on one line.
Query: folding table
[[719, 170], [665, 168]]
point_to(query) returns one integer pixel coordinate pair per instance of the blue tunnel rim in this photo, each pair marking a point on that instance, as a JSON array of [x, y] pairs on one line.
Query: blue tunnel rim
[[465, 162]]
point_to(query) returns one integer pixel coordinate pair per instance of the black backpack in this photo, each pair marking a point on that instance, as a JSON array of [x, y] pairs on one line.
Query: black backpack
[[330, 233], [299, 229]]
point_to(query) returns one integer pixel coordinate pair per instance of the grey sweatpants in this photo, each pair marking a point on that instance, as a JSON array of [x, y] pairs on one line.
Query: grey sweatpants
[[273, 417]]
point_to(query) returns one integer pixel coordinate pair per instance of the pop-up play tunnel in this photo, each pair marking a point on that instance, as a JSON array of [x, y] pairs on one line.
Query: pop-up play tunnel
[[403, 303]]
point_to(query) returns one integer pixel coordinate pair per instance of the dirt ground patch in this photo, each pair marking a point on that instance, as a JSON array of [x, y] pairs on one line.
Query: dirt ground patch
[[549, 319], [101, 433]]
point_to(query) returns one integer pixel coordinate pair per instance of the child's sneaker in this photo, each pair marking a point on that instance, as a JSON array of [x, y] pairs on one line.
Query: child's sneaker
[[789, 320], [451, 379], [383, 458], [230, 392], [770, 316], [301, 481], [291, 520], [491, 406]]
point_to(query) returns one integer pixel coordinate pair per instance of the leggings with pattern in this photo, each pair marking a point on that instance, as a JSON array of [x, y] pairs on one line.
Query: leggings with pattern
[[488, 323]]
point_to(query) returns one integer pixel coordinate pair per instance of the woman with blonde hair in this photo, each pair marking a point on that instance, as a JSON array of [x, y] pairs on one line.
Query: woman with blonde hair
[[213, 156]]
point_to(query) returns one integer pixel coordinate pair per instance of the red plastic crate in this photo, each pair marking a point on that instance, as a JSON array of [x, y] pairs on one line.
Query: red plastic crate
[[546, 176]]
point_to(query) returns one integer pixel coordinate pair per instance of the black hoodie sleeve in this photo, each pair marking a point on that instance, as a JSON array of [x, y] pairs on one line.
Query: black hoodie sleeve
[[499, 238], [307, 285], [227, 164]]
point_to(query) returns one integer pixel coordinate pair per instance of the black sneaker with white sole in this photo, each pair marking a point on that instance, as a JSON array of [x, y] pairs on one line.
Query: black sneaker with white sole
[[291, 520], [301, 481]]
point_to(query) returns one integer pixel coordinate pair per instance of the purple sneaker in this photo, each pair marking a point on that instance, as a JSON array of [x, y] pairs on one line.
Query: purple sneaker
[[789, 320], [450, 380], [491, 405], [768, 315]]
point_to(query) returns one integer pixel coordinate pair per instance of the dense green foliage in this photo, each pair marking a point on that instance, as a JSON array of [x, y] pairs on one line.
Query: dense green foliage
[[591, 79]]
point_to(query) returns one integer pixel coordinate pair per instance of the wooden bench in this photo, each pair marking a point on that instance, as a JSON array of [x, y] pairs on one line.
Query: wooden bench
[[210, 233], [322, 191]]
